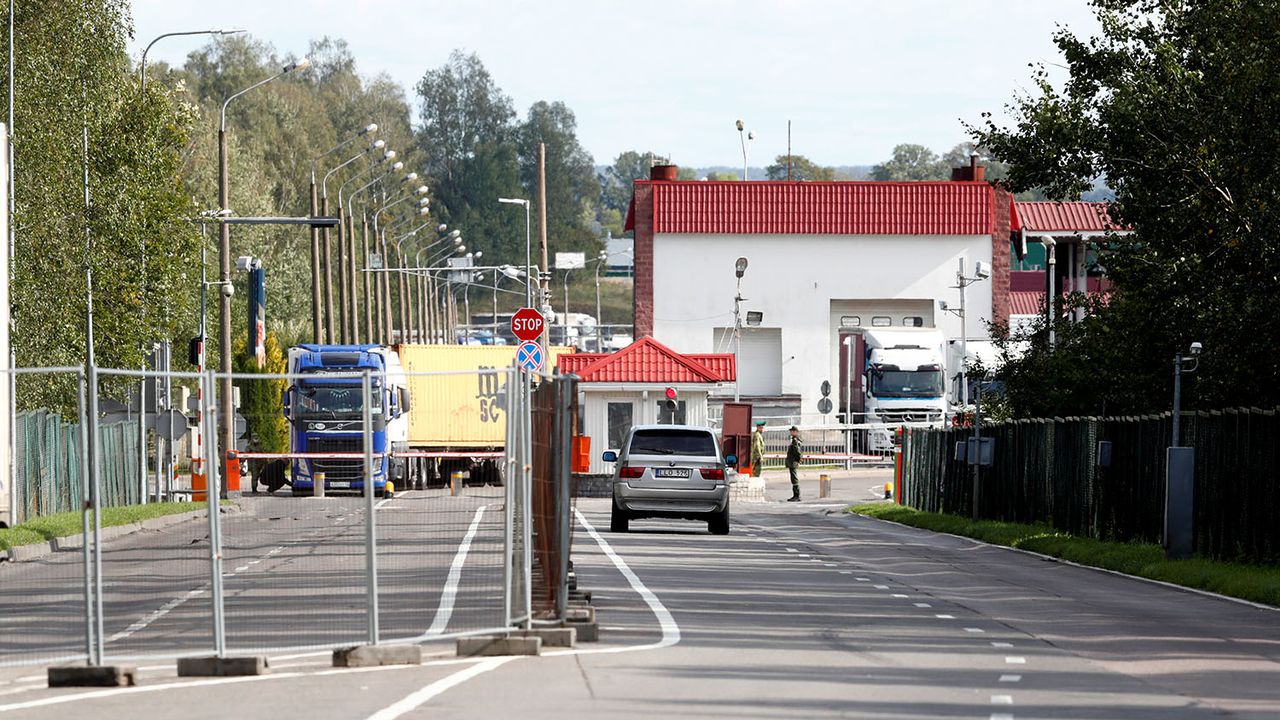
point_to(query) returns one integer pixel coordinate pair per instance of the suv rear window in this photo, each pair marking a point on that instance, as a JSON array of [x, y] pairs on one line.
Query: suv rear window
[[673, 442]]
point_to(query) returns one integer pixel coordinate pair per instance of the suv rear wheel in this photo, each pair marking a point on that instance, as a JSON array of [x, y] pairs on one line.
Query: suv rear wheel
[[619, 520], [718, 523]]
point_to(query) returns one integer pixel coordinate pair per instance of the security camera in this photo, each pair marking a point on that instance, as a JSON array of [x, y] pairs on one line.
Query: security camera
[[228, 289], [1196, 348], [942, 305], [244, 263], [982, 270]]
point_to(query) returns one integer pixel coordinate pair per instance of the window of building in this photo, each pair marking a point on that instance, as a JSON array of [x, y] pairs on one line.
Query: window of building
[[881, 321], [619, 415], [913, 321], [667, 417], [850, 321]]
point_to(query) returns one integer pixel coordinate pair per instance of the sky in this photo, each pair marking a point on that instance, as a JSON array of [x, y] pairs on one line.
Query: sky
[[854, 77]]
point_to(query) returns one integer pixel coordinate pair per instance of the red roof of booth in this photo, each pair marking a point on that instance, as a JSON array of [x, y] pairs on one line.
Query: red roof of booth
[[1063, 217], [821, 208], [649, 361]]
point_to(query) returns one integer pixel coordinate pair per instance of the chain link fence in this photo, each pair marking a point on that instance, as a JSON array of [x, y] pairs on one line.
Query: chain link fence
[[285, 568], [1051, 470]]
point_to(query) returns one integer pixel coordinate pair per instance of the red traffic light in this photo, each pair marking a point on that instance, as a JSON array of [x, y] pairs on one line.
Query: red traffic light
[[671, 393]]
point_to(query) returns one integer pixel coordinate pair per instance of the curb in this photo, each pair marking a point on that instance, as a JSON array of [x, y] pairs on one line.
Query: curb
[[1072, 563], [35, 551]]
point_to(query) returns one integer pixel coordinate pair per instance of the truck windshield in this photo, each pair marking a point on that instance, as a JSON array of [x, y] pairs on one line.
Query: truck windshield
[[892, 382], [332, 401], [673, 442]]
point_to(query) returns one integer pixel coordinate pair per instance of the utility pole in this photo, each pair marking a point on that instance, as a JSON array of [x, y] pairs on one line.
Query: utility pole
[[316, 332], [226, 413], [544, 270], [328, 269], [365, 286]]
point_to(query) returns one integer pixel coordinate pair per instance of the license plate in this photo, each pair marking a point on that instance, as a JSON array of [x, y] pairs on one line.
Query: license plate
[[335, 484], [671, 472]]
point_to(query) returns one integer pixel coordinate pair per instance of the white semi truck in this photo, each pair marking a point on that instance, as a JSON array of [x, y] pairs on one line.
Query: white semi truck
[[904, 379]]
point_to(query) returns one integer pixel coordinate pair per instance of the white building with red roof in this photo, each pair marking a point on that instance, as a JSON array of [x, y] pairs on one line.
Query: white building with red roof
[[826, 259]]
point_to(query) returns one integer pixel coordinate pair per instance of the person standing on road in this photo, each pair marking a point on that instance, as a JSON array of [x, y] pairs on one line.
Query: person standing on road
[[757, 450], [793, 464]]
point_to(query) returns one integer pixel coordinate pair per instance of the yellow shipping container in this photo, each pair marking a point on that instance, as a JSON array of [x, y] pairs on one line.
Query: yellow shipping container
[[461, 410]]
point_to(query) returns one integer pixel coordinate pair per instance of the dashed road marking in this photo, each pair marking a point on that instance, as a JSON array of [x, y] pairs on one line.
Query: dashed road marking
[[945, 617], [1015, 660], [881, 587], [1010, 678], [900, 596], [974, 630], [862, 579], [1001, 699], [1001, 716], [1001, 645], [921, 605]]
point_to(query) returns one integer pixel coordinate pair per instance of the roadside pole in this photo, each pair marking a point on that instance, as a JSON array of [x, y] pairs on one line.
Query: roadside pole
[[371, 531]]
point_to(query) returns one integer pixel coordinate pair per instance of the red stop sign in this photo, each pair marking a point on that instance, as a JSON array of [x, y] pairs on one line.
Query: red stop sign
[[527, 324]]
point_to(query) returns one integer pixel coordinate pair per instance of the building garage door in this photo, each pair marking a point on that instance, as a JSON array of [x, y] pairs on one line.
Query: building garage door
[[759, 359]]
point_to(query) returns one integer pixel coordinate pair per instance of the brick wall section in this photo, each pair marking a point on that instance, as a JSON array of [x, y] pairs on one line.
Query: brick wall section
[[642, 288], [1000, 254]]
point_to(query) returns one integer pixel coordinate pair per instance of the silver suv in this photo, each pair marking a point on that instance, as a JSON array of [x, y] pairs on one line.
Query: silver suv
[[670, 471]]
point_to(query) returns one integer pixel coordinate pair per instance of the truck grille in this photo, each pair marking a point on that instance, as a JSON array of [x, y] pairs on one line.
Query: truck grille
[[333, 468]]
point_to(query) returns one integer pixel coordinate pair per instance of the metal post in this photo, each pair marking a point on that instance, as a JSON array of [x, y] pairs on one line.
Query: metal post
[[371, 531], [213, 485], [226, 414], [328, 269], [526, 487], [370, 328], [976, 462], [1177, 401], [1051, 292], [737, 328], [315, 266], [964, 340], [86, 505], [95, 504], [142, 436], [508, 506], [565, 391]]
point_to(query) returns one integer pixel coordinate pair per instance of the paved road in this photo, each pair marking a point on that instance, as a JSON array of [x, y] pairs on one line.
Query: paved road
[[801, 612]]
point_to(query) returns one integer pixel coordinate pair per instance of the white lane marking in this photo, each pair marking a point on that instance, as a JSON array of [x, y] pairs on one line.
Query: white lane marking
[[1001, 716], [945, 617], [792, 550], [803, 555], [921, 605], [881, 587], [670, 630], [420, 697], [830, 564], [241, 569], [1001, 699], [156, 614], [974, 630], [450, 593], [1014, 660], [900, 596], [861, 579], [846, 572], [1001, 645], [1010, 678]]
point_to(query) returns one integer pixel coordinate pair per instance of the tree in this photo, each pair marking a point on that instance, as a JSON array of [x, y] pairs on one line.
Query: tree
[[572, 189], [1173, 104], [911, 162], [138, 205], [802, 169], [715, 175], [617, 179], [462, 107]]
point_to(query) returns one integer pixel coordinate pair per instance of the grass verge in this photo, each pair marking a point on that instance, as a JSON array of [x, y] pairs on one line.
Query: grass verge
[[48, 527], [1256, 583]]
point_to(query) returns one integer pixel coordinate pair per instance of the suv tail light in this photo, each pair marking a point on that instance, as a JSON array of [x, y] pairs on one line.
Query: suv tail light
[[630, 471], [712, 473]]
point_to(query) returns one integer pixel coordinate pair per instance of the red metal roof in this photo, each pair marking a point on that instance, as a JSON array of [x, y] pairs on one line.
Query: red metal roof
[[648, 361], [1063, 217], [1021, 302], [821, 208]]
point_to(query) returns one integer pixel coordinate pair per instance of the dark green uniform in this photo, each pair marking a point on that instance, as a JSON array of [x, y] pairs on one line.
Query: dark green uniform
[[793, 466]]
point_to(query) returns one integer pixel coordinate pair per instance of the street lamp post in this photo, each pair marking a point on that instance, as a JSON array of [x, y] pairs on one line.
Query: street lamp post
[[980, 272], [316, 290], [173, 34], [739, 269], [341, 313], [528, 257], [744, 140], [224, 257]]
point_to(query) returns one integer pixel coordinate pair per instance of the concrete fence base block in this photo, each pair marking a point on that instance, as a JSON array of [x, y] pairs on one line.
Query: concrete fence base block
[[584, 631], [494, 646], [557, 637], [374, 655], [580, 613], [222, 666], [85, 676]]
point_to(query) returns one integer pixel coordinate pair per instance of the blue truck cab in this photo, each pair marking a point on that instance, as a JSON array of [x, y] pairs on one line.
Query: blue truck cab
[[325, 414]]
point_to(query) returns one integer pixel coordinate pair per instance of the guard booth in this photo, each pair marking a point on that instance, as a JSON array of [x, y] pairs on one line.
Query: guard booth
[[735, 433], [630, 387]]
